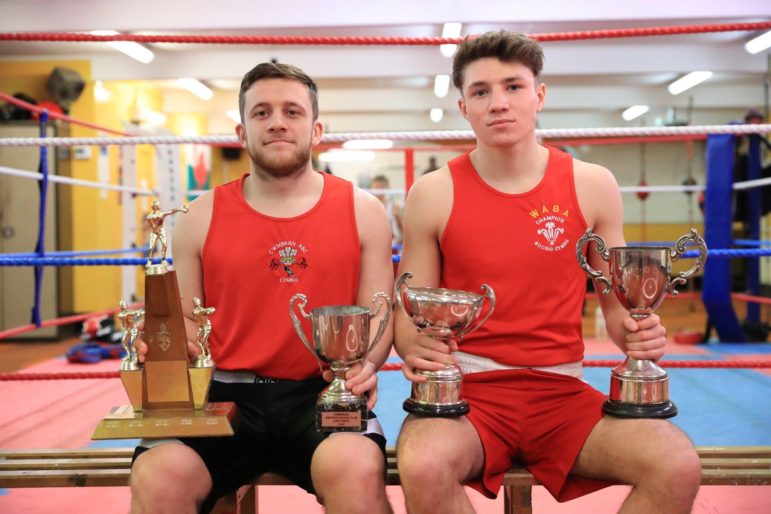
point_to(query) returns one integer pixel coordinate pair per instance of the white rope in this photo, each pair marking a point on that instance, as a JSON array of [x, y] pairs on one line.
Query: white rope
[[73, 181], [753, 183], [398, 136], [385, 192], [661, 189]]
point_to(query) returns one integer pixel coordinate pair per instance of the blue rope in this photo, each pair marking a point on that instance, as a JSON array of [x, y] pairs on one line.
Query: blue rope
[[40, 248], [59, 261], [751, 242], [748, 252], [73, 253]]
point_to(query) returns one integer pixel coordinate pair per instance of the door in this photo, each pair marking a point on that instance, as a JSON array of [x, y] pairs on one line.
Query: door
[[19, 221]]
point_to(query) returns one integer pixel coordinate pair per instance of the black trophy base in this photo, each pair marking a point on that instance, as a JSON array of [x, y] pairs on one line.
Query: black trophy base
[[338, 417], [436, 411], [631, 410]]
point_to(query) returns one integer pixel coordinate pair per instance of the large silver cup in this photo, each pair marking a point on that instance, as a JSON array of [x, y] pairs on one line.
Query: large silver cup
[[441, 314], [640, 278], [341, 339]]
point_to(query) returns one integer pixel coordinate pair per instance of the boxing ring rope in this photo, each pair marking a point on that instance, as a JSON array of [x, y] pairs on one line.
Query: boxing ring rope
[[55, 115], [428, 135], [66, 320], [75, 181], [397, 366], [72, 37], [719, 253]]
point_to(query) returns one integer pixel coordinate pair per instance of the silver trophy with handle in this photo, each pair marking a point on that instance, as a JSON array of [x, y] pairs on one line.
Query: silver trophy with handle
[[640, 277], [442, 314], [341, 339]]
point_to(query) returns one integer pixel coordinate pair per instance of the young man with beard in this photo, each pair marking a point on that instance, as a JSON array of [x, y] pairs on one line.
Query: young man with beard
[[246, 248], [480, 220]]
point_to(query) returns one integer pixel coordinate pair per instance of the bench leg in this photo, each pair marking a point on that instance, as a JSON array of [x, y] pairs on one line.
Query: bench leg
[[517, 499], [247, 500], [243, 501]]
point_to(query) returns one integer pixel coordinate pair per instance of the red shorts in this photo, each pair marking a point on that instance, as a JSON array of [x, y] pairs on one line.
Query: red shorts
[[540, 420]]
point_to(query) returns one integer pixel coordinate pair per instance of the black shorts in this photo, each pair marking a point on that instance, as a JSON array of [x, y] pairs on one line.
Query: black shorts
[[276, 432]]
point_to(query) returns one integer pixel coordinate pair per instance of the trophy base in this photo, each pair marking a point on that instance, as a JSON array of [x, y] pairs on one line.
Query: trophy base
[[631, 410], [123, 422], [428, 410]]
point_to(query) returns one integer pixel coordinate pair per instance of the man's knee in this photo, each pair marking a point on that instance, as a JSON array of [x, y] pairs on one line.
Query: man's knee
[[674, 469], [361, 465], [418, 466], [169, 473], [680, 467]]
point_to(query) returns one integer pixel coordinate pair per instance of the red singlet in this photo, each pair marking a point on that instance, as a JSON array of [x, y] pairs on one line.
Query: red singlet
[[524, 246], [253, 264]]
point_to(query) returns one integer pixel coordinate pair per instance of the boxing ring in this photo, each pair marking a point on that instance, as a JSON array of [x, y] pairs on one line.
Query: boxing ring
[[747, 369]]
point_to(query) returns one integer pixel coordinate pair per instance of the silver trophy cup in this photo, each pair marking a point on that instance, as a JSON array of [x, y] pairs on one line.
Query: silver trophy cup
[[441, 314], [640, 276], [341, 339]]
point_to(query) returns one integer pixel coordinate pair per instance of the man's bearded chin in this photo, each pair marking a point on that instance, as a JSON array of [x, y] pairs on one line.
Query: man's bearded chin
[[284, 166]]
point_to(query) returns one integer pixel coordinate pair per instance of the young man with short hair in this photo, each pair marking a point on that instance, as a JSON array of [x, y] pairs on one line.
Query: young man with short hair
[[245, 249], [508, 214]]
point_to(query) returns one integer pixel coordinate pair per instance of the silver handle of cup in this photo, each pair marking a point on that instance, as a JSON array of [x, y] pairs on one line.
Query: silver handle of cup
[[490, 295], [303, 301], [383, 322], [584, 263], [398, 285], [679, 249]]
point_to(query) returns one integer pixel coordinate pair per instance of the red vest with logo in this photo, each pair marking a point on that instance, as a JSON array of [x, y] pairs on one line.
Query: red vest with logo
[[524, 247], [253, 264]]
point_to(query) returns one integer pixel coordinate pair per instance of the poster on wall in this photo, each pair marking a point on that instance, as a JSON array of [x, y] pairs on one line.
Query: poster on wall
[[197, 163]]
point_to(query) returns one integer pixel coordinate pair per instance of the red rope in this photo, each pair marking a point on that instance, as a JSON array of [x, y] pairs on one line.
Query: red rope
[[372, 40], [751, 298], [57, 116], [595, 363], [689, 364], [59, 376], [396, 366], [60, 321]]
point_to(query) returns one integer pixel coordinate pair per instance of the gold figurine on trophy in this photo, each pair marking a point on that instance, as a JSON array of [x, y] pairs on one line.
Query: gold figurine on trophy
[[130, 321], [157, 232], [201, 315], [168, 395]]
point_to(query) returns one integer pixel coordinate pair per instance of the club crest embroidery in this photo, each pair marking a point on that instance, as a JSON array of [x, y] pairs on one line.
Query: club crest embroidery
[[288, 261], [550, 227]]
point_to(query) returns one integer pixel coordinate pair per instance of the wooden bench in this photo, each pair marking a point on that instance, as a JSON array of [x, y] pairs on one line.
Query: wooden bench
[[105, 467]]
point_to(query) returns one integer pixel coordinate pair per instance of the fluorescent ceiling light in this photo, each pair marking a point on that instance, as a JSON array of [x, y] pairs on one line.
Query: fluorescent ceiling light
[[155, 118], [337, 155], [688, 81], [450, 30], [234, 115], [196, 87], [441, 85], [759, 43], [436, 114], [368, 144], [130, 48], [635, 112], [101, 94]]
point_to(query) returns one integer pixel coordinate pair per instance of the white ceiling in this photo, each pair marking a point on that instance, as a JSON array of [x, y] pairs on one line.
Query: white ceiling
[[391, 87]]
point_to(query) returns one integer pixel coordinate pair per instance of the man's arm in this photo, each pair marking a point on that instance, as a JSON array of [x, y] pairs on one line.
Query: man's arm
[[601, 205], [376, 275], [426, 212], [187, 244]]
